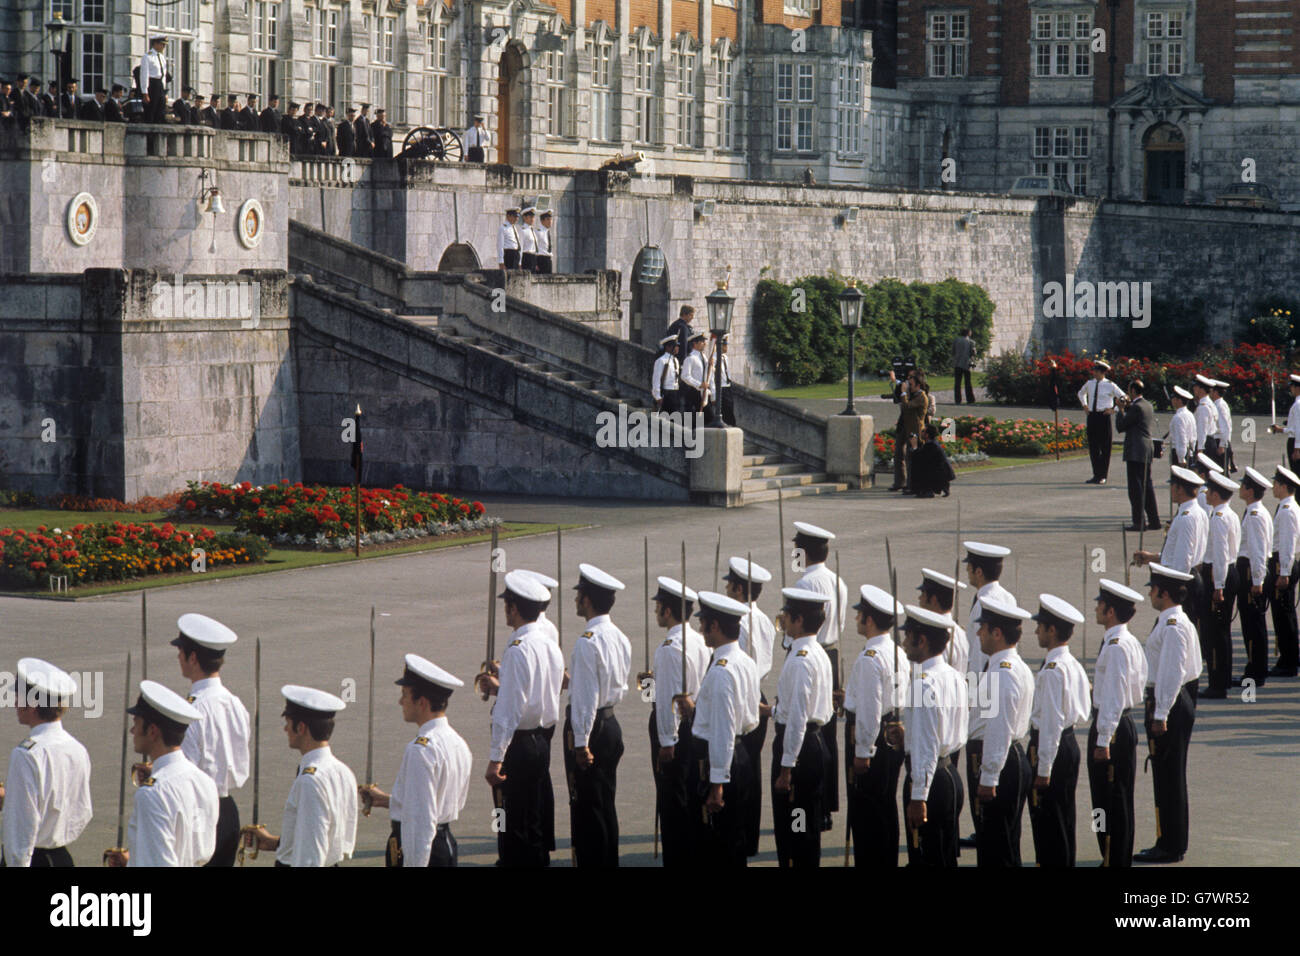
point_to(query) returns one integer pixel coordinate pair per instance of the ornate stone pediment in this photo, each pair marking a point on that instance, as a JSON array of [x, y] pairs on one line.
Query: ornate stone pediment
[[1163, 99]]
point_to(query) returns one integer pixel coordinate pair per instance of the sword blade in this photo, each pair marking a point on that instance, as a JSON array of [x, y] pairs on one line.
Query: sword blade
[[559, 576], [257, 728], [121, 783], [645, 555], [370, 702], [780, 532], [717, 558], [144, 635]]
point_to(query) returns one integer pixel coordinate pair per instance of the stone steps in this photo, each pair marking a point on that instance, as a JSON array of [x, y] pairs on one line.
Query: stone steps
[[798, 491]]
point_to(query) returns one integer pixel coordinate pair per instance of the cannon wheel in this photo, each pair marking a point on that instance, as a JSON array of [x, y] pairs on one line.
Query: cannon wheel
[[425, 142]]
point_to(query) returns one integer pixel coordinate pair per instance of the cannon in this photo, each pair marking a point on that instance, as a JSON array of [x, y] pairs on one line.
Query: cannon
[[426, 142]]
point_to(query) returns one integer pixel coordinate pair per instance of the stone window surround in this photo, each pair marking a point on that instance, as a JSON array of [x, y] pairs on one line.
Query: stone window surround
[[1140, 11], [965, 43], [1037, 8]]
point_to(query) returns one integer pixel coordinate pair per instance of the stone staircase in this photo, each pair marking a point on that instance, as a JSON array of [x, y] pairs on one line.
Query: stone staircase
[[768, 476]]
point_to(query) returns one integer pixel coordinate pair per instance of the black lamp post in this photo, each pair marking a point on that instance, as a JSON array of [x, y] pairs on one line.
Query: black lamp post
[[55, 26], [720, 303], [851, 319], [1110, 103]]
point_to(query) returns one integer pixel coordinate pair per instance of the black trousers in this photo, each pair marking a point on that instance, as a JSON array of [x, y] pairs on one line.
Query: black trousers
[[830, 734], [1099, 438], [797, 812], [1282, 607], [1051, 810], [1216, 631], [728, 407], [548, 793], [1138, 473], [871, 800], [528, 261], [720, 838], [1194, 604], [522, 841], [1111, 785], [958, 374], [474, 154], [155, 111], [1254, 629], [974, 755], [45, 858], [1169, 768], [934, 843], [998, 838], [670, 794], [227, 833], [442, 853], [754, 809], [689, 398], [593, 818], [511, 258], [544, 265], [672, 401]]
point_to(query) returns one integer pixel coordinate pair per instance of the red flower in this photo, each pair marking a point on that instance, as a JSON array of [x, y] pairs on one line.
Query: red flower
[[38, 565]]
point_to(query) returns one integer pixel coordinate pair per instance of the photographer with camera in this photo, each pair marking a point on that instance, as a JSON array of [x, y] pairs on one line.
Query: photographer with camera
[[914, 404]]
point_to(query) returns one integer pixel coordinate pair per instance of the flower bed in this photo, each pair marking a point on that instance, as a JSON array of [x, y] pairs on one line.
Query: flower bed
[[25, 499], [960, 450], [323, 517], [1022, 436], [116, 551]]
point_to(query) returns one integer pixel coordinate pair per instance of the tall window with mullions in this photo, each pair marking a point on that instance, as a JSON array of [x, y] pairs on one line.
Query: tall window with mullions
[[264, 45]]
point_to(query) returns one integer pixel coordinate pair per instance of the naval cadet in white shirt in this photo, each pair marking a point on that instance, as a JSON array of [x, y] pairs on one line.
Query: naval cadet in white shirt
[[1208, 439], [1292, 427], [664, 378], [217, 744], [1188, 535], [527, 687], [46, 794], [1252, 570], [871, 699], [934, 726], [593, 739], [1173, 669], [545, 243], [984, 566], [815, 543], [1220, 566], [692, 378], [1218, 392], [174, 813], [670, 732], [1121, 676], [320, 814], [528, 240], [1062, 701], [1098, 396], [721, 779], [938, 594], [1182, 427], [744, 582], [432, 782], [1005, 777], [476, 140], [1281, 590], [509, 241], [804, 704]]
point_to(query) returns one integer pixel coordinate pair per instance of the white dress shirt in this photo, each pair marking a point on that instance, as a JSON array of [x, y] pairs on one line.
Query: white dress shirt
[[693, 369], [1224, 420], [476, 136], [934, 720], [668, 677], [664, 377], [820, 578], [1224, 543], [602, 658], [976, 658], [532, 669], [1173, 658], [1293, 422], [1062, 699], [174, 815], [1207, 422], [507, 238], [1203, 503], [957, 653], [1106, 393], [218, 744], [1256, 541], [153, 65], [1286, 533], [320, 816], [1188, 537], [1011, 693], [803, 695], [47, 793], [543, 240], [547, 627], [527, 238], [872, 691], [760, 649], [431, 786], [727, 707], [1121, 675], [726, 372], [1182, 433]]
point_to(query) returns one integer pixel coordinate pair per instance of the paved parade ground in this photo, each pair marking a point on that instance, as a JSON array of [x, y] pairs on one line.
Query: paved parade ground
[[1244, 765]]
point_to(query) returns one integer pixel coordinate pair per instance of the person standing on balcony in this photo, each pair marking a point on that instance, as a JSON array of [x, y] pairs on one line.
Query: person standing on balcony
[[545, 252], [153, 80], [528, 241], [508, 242]]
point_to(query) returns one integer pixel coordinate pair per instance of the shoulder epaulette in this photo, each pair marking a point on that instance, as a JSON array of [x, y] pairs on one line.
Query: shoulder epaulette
[[516, 642], [869, 653], [801, 654], [309, 770], [1006, 664], [924, 675], [1114, 640], [189, 698], [422, 741], [148, 783], [721, 662], [1051, 665], [28, 744], [667, 643], [587, 634]]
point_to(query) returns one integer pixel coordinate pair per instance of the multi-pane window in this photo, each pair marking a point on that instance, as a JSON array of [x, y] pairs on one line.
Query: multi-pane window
[[1062, 44], [643, 95], [263, 45], [87, 45], [1165, 39], [384, 82], [794, 110], [947, 39], [92, 62], [684, 69], [62, 9], [798, 8], [436, 107], [179, 17], [92, 11], [323, 27], [849, 109], [726, 93], [557, 93], [1063, 151], [602, 92]]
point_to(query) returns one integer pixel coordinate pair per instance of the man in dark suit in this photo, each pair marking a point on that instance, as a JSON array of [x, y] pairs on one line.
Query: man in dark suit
[[290, 131], [1137, 421], [308, 132], [181, 107], [347, 134], [270, 118], [230, 115], [16, 92], [365, 143], [45, 101], [324, 132], [383, 135], [92, 108], [113, 106], [249, 120], [68, 103], [204, 114], [8, 116]]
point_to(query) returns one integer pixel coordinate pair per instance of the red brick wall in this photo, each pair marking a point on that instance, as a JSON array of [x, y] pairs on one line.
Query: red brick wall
[[724, 24], [686, 16], [644, 13], [1017, 64], [606, 10]]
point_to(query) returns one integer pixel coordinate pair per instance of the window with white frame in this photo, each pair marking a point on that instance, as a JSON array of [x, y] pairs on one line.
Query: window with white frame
[[555, 64], [87, 22], [795, 113], [683, 64], [263, 47], [798, 8], [179, 17], [725, 64], [1164, 42], [385, 83], [1062, 44], [645, 101], [323, 28], [601, 52], [947, 41], [848, 112], [1063, 151], [436, 106]]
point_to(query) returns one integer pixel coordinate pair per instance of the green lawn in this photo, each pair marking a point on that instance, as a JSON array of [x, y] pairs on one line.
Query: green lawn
[[861, 387]]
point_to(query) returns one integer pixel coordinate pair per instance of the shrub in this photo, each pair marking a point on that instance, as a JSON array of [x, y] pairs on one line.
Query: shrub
[[1177, 330]]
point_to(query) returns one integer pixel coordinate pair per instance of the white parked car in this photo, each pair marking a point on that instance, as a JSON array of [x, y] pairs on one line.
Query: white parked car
[[1034, 186]]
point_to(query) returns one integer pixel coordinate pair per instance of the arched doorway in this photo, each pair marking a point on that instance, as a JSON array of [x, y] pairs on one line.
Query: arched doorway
[[649, 318], [510, 105], [459, 257], [1166, 167]]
